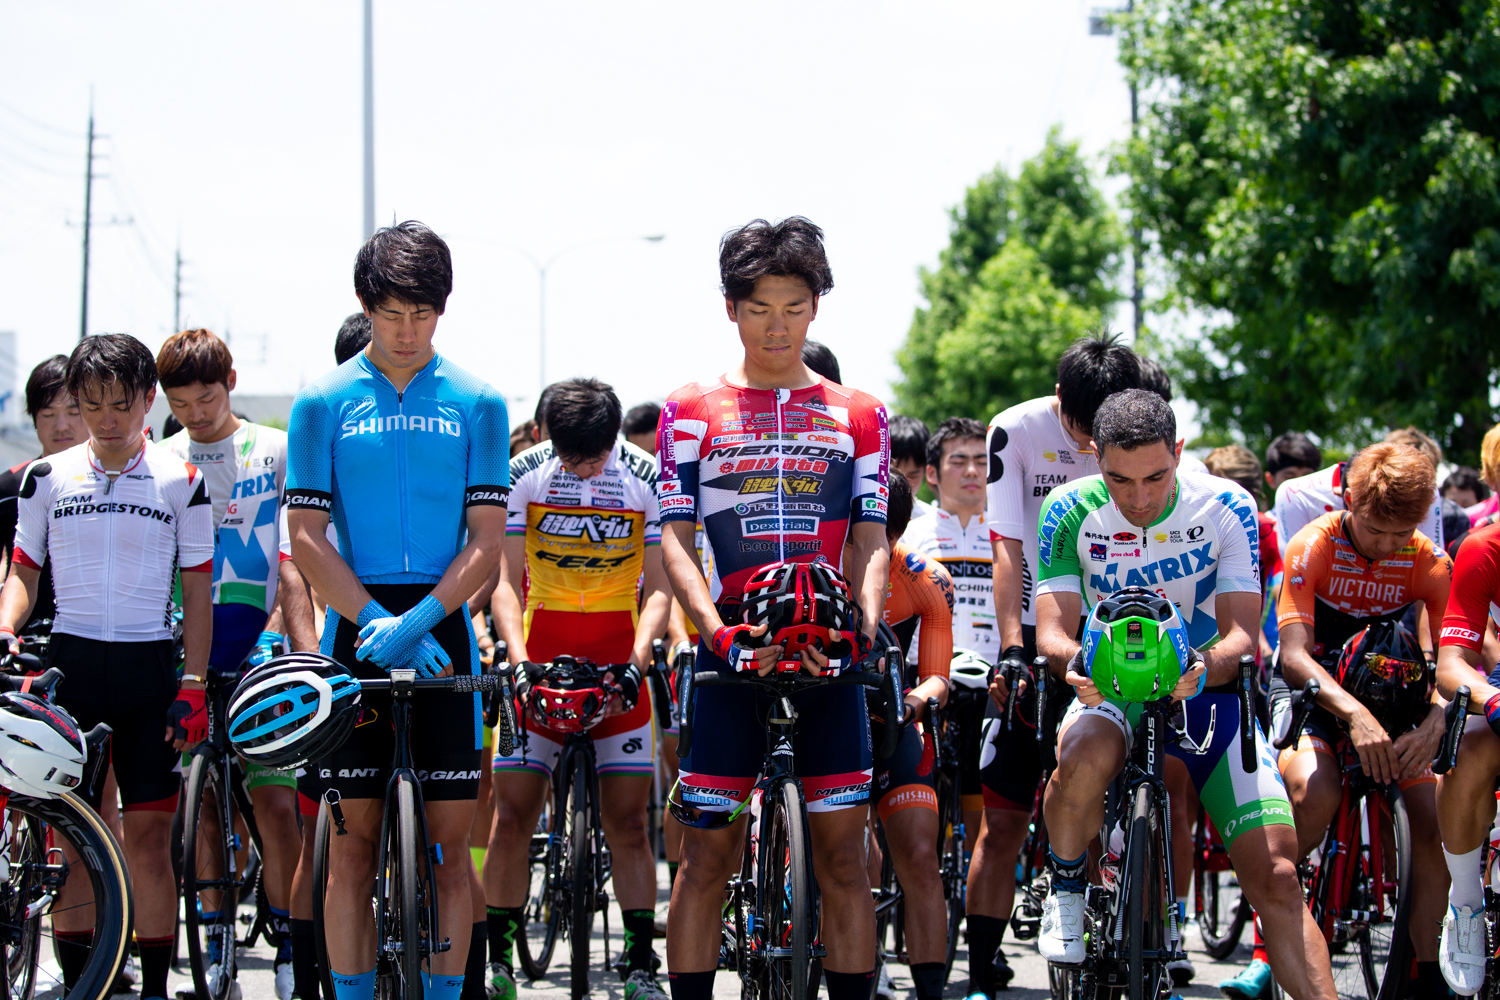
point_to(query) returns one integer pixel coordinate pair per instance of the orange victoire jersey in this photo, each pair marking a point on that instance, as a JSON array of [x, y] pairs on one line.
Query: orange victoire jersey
[[922, 587], [1328, 585]]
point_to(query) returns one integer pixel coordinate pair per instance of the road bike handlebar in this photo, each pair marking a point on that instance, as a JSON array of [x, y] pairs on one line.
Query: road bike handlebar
[[1249, 759], [1456, 716], [497, 681], [1303, 702], [787, 684], [1039, 673]]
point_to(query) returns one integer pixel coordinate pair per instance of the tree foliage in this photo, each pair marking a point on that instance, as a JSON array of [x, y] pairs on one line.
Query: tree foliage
[[1026, 271], [1321, 175]]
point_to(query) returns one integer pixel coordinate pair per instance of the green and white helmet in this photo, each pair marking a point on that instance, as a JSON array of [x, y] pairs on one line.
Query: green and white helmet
[[1135, 646]]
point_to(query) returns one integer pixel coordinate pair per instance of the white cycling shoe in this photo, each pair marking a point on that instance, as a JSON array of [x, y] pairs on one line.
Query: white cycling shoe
[[885, 988], [1061, 937], [285, 982], [1461, 950]]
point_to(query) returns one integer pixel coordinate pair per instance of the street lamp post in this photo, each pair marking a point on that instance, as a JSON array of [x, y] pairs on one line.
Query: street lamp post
[[1099, 24]]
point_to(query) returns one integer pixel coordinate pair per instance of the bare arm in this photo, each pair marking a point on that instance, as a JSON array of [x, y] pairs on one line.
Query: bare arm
[[1459, 665], [295, 598], [482, 596], [1057, 615], [18, 596], [322, 566], [656, 607], [869, 569], [506, 604], [1238, 615], [1007, 577], [197, 623]]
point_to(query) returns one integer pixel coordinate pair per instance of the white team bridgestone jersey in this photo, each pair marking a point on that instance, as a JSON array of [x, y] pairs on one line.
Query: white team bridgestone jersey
[[1301, 501], [246, 474], [114, 547], [1205, 544], [966, 554], [1029, 454]]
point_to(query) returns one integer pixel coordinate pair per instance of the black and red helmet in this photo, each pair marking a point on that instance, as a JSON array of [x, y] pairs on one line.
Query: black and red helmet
[[803, 603], [1382, 665]]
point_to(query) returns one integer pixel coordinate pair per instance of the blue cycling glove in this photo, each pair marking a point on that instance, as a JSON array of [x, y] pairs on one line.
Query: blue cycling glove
[[393, 642], [370, 612], [430, 659], [264, 650]]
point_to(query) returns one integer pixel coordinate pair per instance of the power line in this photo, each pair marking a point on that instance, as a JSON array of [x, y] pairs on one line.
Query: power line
[[35, 123]]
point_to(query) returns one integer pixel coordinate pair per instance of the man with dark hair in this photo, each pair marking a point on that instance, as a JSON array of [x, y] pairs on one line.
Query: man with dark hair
[[405, 452], [352, 338], [639, 426], [54, 414], [809, 494], [1290, 456], [909, 455], [820, 359], [80, 511], [582, 530], [1032, 447], [245, 468], [1191, 539], [1154, 378], [1465, 487]]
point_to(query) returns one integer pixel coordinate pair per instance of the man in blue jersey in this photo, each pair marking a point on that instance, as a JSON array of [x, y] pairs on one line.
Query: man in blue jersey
[[406, 453]]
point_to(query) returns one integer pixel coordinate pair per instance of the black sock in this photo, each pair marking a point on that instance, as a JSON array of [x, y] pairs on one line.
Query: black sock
[[156, 955], [985, 935], [502, 922], [1068, 876], [692, 985], [305, 979], [849, 985], [279, 932], [928, 979], [1430, 981], [73, 954], [640, 928], [671, 877], [474, 970]]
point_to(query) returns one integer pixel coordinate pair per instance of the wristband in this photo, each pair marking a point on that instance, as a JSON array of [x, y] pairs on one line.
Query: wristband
[[194, 678]]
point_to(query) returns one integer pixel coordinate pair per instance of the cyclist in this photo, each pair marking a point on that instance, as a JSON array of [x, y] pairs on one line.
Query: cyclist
[[909, 457], [1465, 799], [583, 530], [781, 465], [1032, 447], [1192, 539], [115, 517], [1345, 571], [905, 796], [421, 444], [244, 465], [639, 426]]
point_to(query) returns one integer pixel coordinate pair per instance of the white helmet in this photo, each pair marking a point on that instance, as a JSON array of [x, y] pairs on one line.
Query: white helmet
[[968, 671], [41, 751]]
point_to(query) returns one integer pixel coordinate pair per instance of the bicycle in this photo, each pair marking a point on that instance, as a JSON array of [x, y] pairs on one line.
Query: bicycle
[[406, 908], [220, 844], [34, 870], [1032, 881], [570, 862], [1348, 881], [774, 898], [1131, 931]]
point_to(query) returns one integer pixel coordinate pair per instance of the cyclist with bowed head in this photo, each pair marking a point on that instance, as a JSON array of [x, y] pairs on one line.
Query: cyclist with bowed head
[[1190, 539], [1032, 447], [583, 530], [1465, 799], [115, 517], [782, 466], [406, 453]]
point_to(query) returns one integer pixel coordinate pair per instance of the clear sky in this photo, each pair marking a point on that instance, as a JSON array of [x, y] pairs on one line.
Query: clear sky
[[236, 128]]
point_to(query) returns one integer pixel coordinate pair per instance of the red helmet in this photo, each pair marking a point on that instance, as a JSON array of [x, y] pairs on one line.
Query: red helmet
[[803, 602], [1384, 668], [575, 704]]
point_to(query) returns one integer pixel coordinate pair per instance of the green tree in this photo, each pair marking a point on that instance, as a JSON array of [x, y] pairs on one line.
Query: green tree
[[1321, 176], [1026, 271]]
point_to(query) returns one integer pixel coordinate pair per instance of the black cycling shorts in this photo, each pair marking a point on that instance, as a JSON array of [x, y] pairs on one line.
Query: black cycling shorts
[[447, 729], [904, 780], [1010, 762], [130, 686]]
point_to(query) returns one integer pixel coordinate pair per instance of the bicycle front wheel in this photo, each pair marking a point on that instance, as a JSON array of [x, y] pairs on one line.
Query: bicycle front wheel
[[542, 916], [1380, 895], [401, 894], [1221, 908], [210, 887], [42, 888], [321, 834], [784, 894], [1144, 897], [577, 799]]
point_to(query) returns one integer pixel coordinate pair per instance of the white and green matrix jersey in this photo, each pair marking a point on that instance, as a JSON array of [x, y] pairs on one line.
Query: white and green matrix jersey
[[1204, 544]]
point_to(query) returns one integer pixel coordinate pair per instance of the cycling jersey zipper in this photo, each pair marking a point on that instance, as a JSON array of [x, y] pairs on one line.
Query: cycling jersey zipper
[[780, 473], [400, 428]]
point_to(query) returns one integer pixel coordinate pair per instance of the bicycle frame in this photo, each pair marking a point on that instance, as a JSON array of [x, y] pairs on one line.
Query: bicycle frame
[[1146, 765], [1330, 897]]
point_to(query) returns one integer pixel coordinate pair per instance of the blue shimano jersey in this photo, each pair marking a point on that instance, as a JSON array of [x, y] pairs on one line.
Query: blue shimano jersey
[[396, 470]]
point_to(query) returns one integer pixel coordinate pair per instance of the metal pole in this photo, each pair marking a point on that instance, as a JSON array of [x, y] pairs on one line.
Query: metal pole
[[369, 118], [177, 294], [88, 208], [1137, 238]]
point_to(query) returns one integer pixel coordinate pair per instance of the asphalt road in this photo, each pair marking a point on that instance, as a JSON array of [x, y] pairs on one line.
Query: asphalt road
[[1031, 971]]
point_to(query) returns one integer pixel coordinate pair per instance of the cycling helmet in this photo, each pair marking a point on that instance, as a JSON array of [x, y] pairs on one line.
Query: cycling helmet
[[1135, 646], [568, 698], [1383, 667], [803, 602], [968, 671], [293, 709], [41, 751]]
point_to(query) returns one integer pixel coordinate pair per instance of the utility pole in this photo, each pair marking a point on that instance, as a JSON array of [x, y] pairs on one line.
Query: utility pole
[[88, 209], [369, 118], [1099, 25], [177, 293]]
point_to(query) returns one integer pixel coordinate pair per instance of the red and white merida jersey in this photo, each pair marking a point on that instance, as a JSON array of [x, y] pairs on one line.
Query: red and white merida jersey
[[114, 546]]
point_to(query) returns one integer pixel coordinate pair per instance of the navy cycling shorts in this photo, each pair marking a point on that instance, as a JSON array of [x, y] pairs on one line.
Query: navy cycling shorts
[[830, 744], [236, 627], [446, 728]]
